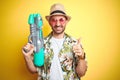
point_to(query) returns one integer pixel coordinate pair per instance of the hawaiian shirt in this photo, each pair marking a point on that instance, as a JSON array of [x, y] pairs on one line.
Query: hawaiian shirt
[[66, 57]]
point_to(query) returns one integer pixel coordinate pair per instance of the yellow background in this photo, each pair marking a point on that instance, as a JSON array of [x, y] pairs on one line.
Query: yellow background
[[97, 22]]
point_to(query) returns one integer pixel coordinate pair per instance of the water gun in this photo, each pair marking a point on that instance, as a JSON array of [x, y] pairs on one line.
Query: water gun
[[36, 38]]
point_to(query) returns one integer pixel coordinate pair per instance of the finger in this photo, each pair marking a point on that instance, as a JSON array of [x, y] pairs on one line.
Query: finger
[[30, 41], [78, 54], [31, 46], [27, 48], [24, 50], [31, 51], [76, 48], [77, 51], [27, 51], [79, 41]]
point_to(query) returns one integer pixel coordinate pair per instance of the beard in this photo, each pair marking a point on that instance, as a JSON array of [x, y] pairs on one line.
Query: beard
[[58, 29]]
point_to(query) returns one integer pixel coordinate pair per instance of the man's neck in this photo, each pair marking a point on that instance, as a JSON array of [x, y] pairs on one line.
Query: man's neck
[[58, 36]]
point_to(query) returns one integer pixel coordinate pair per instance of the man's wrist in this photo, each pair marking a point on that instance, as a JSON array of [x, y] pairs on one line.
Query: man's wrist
[[82, 57], [28, 58]]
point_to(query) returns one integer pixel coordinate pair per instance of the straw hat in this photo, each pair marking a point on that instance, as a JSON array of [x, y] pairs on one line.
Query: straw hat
[[57, 9]]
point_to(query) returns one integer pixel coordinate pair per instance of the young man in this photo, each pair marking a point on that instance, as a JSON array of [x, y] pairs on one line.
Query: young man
[[64, 56]]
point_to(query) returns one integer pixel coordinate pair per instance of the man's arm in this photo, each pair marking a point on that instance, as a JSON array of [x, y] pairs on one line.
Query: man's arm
[[81, 67], [27, 51]]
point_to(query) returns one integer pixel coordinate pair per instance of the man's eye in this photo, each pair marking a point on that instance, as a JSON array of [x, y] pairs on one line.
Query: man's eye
[[53, 20], [61, 20]]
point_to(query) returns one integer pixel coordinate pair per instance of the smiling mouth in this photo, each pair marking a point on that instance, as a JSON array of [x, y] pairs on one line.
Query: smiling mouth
[[58, 28]]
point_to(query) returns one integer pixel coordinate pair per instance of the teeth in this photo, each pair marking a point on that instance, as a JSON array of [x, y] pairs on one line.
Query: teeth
[[58, 28]]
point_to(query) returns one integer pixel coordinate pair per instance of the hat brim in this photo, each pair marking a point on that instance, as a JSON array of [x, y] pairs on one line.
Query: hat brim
[[67, 17]]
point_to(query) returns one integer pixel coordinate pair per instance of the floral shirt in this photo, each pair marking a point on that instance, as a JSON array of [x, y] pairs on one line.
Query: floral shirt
[[67, 59]]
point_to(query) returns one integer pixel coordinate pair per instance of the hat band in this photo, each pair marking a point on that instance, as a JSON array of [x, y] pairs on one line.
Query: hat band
[[57, 11]]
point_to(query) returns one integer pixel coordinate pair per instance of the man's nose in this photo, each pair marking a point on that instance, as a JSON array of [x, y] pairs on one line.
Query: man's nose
[[57, 23]]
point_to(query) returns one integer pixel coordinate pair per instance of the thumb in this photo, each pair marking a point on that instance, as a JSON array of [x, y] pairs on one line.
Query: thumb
[[79, 41]]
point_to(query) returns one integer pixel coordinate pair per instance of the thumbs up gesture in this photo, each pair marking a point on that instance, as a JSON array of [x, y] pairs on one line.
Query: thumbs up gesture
[[78, 50]]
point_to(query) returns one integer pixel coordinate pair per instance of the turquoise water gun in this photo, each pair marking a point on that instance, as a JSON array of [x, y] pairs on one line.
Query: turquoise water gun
[[36, 36]]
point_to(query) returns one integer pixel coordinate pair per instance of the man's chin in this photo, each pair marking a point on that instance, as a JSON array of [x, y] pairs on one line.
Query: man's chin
[[59, 32]]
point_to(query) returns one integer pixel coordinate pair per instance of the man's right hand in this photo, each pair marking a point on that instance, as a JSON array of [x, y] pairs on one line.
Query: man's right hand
[[27, 50]]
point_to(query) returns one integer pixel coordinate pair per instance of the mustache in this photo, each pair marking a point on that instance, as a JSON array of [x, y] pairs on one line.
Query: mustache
[[57, 26]]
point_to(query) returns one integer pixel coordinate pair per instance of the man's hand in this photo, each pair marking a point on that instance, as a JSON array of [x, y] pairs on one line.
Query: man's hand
[[78, 50], [28, 50]]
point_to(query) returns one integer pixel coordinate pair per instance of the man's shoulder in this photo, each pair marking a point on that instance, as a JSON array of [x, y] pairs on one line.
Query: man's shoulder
[[48, 36], [70, 37]]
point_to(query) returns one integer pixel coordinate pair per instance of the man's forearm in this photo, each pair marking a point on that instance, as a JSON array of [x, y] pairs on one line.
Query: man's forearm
[[81, 67], [30, 64]]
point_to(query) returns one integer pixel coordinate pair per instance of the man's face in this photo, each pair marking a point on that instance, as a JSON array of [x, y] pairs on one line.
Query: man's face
[[58, 24]]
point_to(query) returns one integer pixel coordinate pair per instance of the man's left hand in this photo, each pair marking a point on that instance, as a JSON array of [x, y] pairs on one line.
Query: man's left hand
[[78, 50]]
